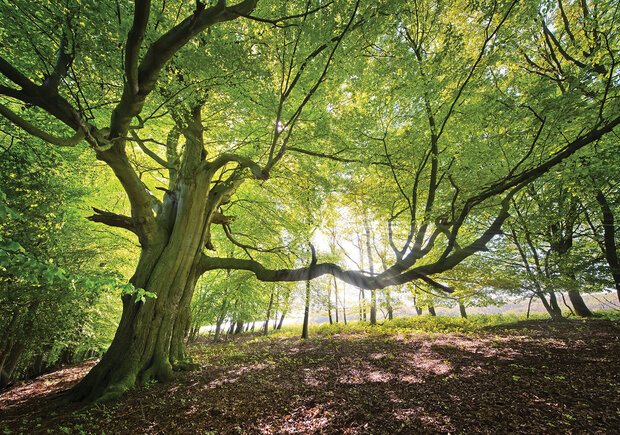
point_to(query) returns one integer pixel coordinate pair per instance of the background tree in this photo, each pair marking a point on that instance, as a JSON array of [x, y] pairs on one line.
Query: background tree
[[218, 98]]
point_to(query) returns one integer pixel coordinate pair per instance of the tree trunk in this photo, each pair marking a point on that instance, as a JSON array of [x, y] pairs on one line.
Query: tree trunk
[[141, 347], [183, 320], [462, 310], [388, 302], [336, 297], [609, 239], [581, 309], [220, 320], [373, 307], [10, 362], [329, 302], [344, 303], [281, 320], [304, 330], [551, 306], [431, 310], [266, 325], [239, 328]]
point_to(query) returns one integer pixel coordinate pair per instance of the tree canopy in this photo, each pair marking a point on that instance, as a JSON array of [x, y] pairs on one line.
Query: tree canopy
[[235, 127]]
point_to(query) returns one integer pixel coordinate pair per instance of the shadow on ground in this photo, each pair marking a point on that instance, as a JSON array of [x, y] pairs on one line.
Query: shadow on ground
[[536, 377]]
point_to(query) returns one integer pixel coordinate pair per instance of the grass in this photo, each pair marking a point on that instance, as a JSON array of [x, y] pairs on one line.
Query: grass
[[416, 324], [425, 324]]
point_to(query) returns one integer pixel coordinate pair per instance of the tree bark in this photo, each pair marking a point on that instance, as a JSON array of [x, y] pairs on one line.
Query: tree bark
[[551, 305], [462, 310], [609, 239], [304, 330], [431, 310], [141, 348], [581, 309], [281, 320], [266, 325]]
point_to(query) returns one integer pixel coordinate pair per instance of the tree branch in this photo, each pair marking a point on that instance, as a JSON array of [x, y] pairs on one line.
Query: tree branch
[[31, 129], [242, 161], [112, 219], [355, 278], [134, 42]]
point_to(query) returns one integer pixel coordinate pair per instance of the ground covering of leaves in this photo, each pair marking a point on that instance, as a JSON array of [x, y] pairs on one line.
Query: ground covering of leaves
[[531, 377]]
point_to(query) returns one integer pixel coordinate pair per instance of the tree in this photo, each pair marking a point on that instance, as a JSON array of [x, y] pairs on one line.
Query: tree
[[218, 100]]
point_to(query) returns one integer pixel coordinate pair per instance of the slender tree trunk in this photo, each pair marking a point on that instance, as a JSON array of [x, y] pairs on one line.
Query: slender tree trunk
[[371, 267], [431, 310], [220, 319], [529, 306], [462, 310], [388, 302], [266, 325], [329, 302], [359, 299], [304, 331], [281, 320], [344, 303], [336, 298]]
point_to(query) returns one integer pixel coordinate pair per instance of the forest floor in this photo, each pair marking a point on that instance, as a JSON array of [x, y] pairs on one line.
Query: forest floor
[[530, 377]]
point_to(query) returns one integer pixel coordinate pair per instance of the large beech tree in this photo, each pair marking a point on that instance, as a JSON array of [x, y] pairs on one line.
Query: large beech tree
[[221, 96]]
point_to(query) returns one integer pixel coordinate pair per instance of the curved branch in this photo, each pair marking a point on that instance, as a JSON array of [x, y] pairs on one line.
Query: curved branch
[[161, 51], [243, 162], [31, 129], [315, 270]]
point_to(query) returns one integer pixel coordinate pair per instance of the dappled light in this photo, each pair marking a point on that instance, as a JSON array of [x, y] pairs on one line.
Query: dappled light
[[540, 377]]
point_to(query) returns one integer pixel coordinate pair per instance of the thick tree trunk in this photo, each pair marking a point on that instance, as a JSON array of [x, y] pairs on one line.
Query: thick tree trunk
[[181, 325], [431, 310], [140, 350], [581, 309], [609, 239], [10, 362]]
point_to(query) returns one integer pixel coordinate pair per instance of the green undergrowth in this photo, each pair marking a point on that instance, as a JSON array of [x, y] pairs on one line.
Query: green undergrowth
[[240, 351], [417, 324]]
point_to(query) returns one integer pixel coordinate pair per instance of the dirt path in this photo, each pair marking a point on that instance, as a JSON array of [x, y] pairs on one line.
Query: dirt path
[[537, 377]]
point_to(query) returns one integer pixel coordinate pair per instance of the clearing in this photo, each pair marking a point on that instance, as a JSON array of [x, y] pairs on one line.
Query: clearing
[[534, 376]]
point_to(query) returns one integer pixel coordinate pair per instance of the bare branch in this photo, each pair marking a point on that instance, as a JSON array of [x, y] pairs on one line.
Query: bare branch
[[112, 219]]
